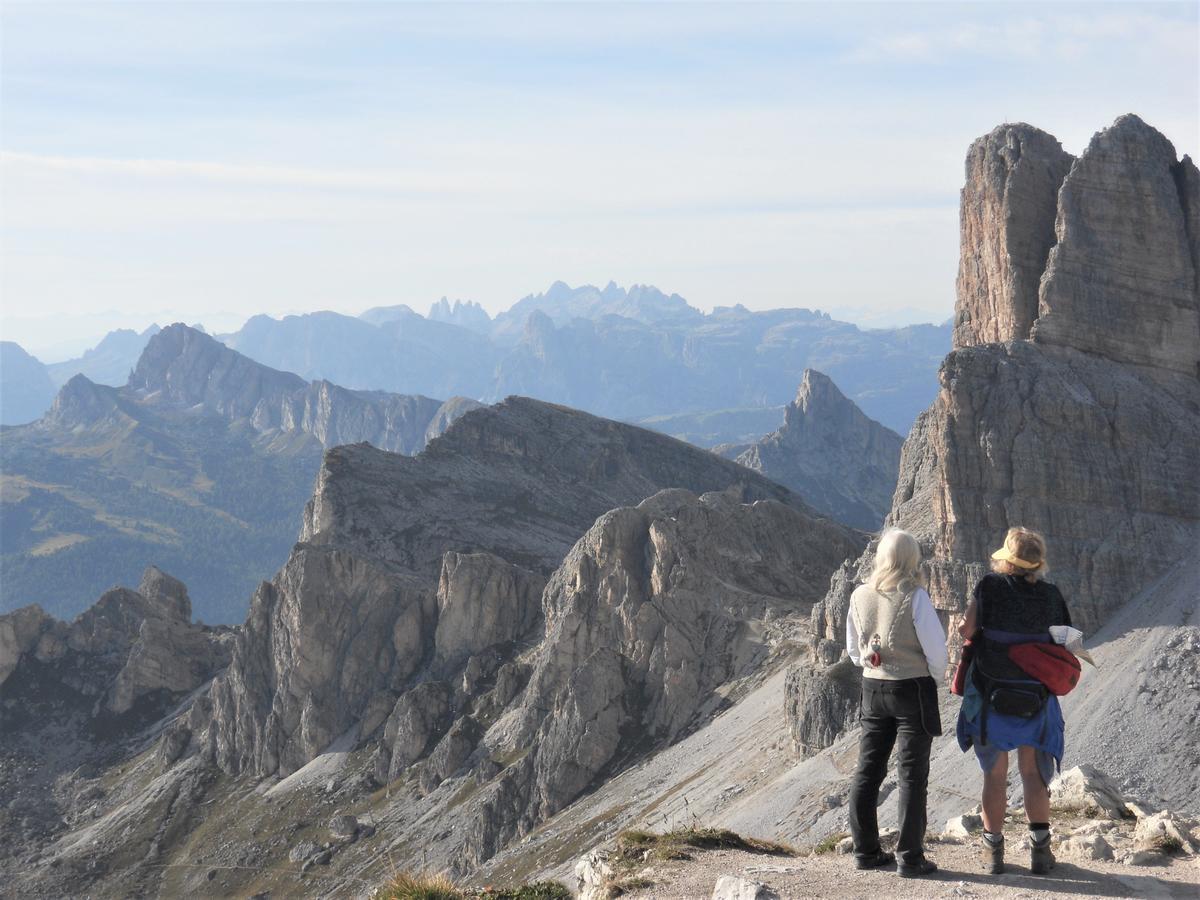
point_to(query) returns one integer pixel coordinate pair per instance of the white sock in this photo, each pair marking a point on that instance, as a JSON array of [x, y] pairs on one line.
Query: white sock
[[993, 838]]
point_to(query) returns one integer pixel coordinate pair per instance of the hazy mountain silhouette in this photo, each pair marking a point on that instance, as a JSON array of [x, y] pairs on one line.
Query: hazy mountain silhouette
[[26, 389], [109, 362], [634, 354]]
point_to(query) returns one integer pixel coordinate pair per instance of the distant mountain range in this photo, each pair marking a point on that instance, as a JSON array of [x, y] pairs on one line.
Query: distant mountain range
[[634, 354], [201, 463]]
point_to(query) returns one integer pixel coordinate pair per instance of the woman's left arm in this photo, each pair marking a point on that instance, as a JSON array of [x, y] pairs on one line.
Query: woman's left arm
[[1066, 612], [930, 633]]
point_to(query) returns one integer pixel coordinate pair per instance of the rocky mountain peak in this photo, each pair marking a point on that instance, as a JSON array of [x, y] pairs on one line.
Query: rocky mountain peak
[[1121, 280], [830, 453], [1098, 253], [186, 367], [1008, 208], [468, 314], [817, 393], [167, 593]]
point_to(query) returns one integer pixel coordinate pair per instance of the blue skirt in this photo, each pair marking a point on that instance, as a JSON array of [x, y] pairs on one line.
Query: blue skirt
[[1044, 732]]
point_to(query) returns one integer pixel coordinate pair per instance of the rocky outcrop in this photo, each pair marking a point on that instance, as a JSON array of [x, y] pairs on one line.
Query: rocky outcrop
[[418, 720], [819, 704], [130, 649], [1089, 429], [21, 631], [482, 601], [415, 566], [843, 463], [1094, 455], [170, 655], [652, 611]]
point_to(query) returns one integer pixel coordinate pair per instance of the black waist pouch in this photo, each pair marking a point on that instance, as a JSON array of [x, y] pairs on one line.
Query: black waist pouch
[[1025, 703]]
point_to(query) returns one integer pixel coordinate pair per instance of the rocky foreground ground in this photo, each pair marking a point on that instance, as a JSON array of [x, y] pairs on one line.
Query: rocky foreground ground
[[1105, 845], [830, 875]]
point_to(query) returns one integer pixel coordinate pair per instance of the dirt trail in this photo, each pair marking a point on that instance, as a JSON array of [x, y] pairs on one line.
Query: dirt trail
[[834, 875]]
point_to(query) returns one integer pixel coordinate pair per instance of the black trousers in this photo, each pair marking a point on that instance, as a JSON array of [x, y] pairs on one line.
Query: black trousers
[[907, 710]]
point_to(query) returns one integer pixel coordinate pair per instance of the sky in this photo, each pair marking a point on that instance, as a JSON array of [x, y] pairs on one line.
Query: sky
[[205, 162]]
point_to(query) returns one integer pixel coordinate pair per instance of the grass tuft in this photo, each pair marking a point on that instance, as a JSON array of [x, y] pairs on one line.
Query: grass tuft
[[1167, 844], [829, 844], [538, 890], [406, 886], [636, 846], [625, 886]]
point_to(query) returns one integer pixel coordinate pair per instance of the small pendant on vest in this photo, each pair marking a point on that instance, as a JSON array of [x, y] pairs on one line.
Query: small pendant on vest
[[874, 658]]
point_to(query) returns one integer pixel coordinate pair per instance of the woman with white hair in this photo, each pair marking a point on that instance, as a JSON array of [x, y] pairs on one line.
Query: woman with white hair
[[894, 634]]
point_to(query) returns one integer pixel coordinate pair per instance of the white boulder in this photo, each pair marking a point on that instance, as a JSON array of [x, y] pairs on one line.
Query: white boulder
[[731, 887], [1087, 791]]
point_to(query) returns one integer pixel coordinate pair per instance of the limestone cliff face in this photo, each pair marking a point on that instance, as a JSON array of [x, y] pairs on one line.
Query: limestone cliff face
[[1121, 279], [411, 568], [843, 463], [1085, 423], [1007, 213], [652, 611]]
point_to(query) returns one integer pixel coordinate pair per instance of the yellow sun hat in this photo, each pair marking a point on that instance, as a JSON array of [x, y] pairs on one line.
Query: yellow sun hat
[[1006, 555]]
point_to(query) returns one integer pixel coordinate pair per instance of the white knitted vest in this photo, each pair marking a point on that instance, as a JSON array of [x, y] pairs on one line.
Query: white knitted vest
[[887, 618]]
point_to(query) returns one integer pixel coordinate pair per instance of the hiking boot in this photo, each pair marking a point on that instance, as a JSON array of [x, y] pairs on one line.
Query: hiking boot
[[992, 855], [874, 860], [917, 869], [1041, 858]]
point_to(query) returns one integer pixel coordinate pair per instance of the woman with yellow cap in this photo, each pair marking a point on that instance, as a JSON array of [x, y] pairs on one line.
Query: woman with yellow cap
[[1003, 708]]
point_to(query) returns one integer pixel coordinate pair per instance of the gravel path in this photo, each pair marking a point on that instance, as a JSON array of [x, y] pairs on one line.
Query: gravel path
[[834, 875]]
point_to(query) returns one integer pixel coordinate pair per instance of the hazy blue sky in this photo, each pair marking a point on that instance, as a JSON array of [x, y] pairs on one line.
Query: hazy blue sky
[[208, 161]]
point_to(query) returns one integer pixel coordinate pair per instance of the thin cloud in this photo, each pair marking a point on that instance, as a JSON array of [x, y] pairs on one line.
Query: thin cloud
[[266, 176], [1061, 36]]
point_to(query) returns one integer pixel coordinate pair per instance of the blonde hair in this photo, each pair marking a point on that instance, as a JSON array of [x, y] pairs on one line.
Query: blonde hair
[[1026, 544], [897, 561]]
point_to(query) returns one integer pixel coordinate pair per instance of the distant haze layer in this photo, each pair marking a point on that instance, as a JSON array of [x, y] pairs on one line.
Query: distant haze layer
[[187, 157]]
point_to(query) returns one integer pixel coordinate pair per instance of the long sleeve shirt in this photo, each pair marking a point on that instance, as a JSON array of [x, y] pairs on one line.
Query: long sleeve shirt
[[930, 634]]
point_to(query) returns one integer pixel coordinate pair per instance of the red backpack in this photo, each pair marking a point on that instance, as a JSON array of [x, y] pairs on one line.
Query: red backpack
[[1052, 664]]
